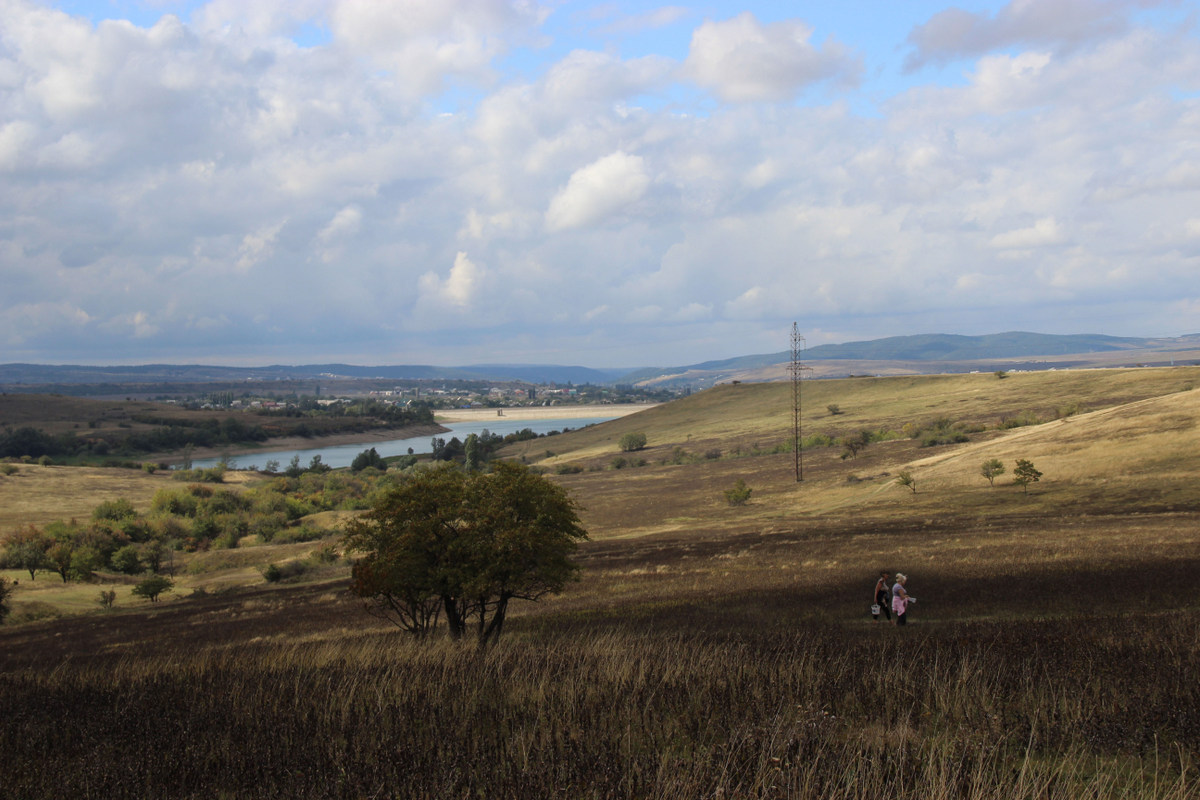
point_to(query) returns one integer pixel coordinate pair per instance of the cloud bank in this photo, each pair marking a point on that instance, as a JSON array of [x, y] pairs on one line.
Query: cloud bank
[[459, 181]]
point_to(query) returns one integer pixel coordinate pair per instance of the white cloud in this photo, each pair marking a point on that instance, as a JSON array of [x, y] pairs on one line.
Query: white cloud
[[139, 163], [598, 191], [1042, 233], [956, 33], [743, 60], [257, 247], [345, 223], [426, 41], [459, 290]]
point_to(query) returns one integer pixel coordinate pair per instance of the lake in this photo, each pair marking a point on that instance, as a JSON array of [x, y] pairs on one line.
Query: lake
[[343, 455]]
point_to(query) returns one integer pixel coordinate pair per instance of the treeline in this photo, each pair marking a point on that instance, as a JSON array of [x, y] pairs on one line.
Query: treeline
[[480, 448], [176, 433], [197, 517]]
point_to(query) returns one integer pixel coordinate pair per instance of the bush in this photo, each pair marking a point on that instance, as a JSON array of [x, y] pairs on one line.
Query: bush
[[632, 442], [713, 454], [619, 462], [274, 573], [152, 586], [107, 598], [127, 560], [739, 495], [568, 469], [302, 533], [8, 469], [114, 510]]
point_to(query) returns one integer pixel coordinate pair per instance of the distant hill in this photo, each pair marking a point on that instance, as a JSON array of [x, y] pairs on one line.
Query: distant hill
[[917, 354], [31, 377], [936, 352]]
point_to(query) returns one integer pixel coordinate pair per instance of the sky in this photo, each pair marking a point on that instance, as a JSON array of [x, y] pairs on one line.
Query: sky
[[608, 184]]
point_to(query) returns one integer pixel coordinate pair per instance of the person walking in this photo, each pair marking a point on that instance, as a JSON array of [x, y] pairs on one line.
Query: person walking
[[901, 599], [883, 599]]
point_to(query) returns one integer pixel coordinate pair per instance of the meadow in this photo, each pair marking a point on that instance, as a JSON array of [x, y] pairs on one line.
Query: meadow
[[709, 650]]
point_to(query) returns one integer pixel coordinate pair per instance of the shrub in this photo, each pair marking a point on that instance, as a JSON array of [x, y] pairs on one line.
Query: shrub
[[632, 442], [1024, 473], [327, 554], [127, 560], [618, 463], [739, 495], [713, 454], [107, 598], [904, 478], [568, 469], [152, 586], [301, 533], [8, 469]]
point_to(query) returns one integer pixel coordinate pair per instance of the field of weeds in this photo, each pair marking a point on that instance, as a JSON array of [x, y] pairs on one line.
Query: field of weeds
[[708, 651], [678, 703]]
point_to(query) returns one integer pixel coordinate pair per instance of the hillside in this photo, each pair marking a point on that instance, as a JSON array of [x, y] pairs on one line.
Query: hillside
[[926, 353], [722, 632]]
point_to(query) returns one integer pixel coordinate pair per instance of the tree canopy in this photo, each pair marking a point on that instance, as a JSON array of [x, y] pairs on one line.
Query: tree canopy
[[464, 544]]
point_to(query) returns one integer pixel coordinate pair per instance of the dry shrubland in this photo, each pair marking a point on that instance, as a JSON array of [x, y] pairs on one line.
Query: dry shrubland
[[709, 650]]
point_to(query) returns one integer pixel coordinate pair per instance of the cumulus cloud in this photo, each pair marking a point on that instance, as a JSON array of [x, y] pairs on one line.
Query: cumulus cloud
[[344, 223], [1042, 233], [460, 288], [598, 191], [743, 60], [426, 41], [208, 175], [1060, 24]]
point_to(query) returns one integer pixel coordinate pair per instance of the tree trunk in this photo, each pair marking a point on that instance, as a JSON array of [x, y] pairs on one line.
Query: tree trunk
[[454, 620], [492, 632]]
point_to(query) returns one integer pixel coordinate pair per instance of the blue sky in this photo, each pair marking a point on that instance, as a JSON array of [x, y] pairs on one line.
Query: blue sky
[[610, 184]]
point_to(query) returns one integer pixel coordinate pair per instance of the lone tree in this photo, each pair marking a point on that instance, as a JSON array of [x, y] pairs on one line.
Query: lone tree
[[739, 495], [368, 458], [1025, 473], [152, 586], [632, 442], [26, 549], [905, 479], [992, 468], [464, 545]]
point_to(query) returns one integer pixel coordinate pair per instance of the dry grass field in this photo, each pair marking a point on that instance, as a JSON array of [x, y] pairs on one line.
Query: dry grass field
[[709, 650]]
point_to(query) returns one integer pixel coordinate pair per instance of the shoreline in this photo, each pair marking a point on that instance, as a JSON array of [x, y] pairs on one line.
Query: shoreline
[[539, 412], [284, 444]]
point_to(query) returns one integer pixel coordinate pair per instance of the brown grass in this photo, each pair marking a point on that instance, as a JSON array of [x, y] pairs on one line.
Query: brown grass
[[708, 651]]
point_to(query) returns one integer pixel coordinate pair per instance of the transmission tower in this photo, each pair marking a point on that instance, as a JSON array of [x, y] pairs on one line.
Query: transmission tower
[[797, 371]]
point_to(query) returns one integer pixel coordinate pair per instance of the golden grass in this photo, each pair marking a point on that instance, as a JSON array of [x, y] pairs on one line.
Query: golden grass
[[37, 495]]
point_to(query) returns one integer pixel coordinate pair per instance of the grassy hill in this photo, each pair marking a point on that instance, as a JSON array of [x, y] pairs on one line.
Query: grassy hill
[[709, 649]]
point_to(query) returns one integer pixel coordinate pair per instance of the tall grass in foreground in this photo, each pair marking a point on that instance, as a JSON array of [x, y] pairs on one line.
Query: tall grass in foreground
[[1106, 707]]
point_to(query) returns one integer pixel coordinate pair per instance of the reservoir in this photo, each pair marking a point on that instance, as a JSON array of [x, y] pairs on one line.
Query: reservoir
[[343, 455]]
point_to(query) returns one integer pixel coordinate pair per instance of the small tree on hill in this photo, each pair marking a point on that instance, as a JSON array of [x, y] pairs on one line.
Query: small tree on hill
[[739, 495], [152, 586], [368, 458], [1025, 473], [992, 468], [632, 442], [26, 549], [466, 545], [905, 479]]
